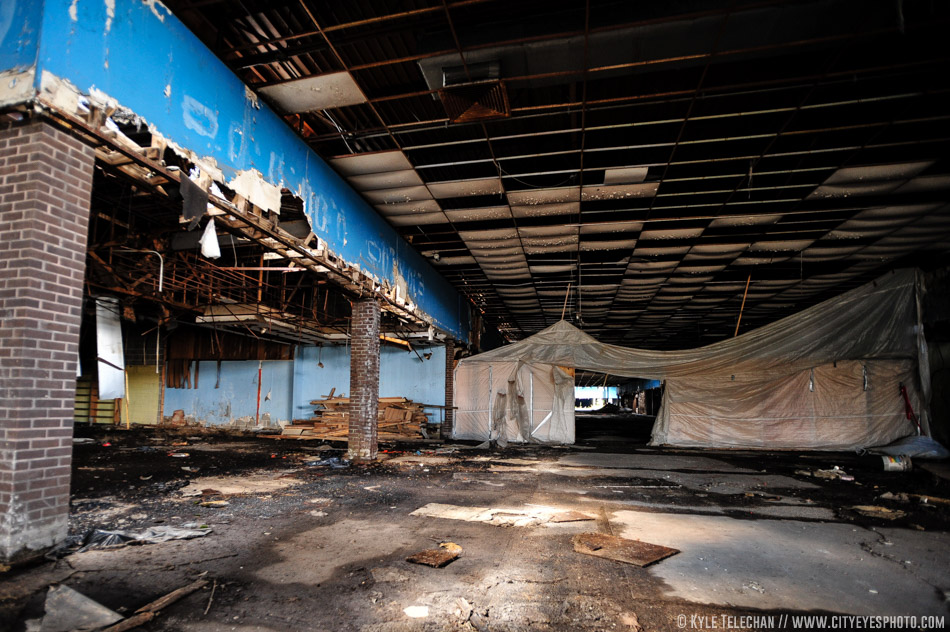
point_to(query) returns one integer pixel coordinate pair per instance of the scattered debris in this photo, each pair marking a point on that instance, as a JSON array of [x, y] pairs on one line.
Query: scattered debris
[[876, 511], [437, 558], [754, 586], [214, 503], [835, 473], [81, 440], [399, 418], [334, 462], [621, 549], [68, 610], [104, 539], [235, 485], [417, 612], [630, 620], [570, 516], [179, 455], [531, 516], [147, 612]]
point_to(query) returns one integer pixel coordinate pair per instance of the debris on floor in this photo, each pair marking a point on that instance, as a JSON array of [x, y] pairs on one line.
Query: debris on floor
[[447, 553], [417, 612], [236, 485], [399, 419], [149, 611], [70, 611], [530, 516], [106, 539], [874, 511], [835, 473], [333, 462], [621, 549]]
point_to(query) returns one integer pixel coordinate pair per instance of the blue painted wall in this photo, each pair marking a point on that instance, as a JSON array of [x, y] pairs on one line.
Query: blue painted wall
[[152, 64], [19, 33], [292, 384], [401, 374], [237, 396]]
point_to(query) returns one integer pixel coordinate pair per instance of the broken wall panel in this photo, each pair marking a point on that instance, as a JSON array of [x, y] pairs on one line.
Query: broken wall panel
[[189, 97]]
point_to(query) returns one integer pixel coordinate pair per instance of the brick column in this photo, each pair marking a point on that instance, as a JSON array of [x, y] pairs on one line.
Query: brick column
[[45, 188], [364, 380], [449, 424]]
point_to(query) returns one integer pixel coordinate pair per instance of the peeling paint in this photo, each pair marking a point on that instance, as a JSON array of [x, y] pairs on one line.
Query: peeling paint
[[110, 14], [74, 11], [251, 185], [199, 117], [16, 86], [154, 6]]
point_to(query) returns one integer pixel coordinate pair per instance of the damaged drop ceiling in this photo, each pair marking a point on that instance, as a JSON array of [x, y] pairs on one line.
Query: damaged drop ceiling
[[643, 161]]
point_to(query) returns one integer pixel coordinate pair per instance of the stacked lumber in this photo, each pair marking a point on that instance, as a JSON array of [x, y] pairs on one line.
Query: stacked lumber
[[399, 419]]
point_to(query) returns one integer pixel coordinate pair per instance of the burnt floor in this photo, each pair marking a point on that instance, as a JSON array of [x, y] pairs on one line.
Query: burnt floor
[[308, 547]]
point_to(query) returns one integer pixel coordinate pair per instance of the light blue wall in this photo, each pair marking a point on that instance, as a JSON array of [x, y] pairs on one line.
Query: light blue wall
[[401, 374], [237, 396], [152, 64], [292, 384]]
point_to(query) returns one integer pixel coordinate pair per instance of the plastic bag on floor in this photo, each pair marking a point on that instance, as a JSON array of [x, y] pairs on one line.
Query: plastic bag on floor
[[917, 447], [333, 462]]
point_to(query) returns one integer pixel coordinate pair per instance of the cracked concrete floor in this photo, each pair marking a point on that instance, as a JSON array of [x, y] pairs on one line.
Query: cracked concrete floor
[[328, 552]]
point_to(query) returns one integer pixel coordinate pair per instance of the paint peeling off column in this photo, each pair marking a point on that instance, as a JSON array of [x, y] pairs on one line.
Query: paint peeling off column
[[251, 185]]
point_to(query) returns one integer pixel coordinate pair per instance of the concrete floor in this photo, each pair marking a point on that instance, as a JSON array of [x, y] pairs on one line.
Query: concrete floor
[[302, 547]]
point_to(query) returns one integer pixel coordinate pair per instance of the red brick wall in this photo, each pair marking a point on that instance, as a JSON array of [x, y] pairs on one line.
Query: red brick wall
[[45, 188], [449, 423], [364, 379]]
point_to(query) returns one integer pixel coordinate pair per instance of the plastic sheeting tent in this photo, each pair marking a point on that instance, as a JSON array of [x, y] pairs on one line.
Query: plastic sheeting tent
[[826, 378]]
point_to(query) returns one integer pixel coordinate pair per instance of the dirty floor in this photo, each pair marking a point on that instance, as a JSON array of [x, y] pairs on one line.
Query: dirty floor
[[293, 543]]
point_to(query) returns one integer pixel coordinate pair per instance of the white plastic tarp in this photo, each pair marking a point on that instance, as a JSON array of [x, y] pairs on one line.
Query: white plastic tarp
[[825, 378], [514, 401]]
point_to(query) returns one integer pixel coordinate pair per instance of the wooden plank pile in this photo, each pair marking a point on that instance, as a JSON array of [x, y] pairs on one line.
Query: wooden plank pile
[[399, 419]]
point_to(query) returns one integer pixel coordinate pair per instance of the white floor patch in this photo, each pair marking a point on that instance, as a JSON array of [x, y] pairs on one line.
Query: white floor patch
[[786, 564], [528, 516]]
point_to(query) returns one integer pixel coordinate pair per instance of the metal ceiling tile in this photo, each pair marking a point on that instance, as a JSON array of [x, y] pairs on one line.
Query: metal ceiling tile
[[545, 210], [320, 92], [374, 162], [531, 197], [488, 234], [478, 214], [611, 244], [385, 180], [418, 219], [871, 173], [611, 227], [465, 188], [671, 233], [620, 191], [398, 195], [408, 208], [625, 175], [744, 220], [925, 184]]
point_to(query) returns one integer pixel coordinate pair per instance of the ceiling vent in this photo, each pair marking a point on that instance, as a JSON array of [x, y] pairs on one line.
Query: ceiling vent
[[475, 101], [474, 92]]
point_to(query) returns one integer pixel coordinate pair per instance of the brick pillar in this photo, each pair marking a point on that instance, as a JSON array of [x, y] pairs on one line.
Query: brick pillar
[[449, 424], [45, 188], [364, 380]]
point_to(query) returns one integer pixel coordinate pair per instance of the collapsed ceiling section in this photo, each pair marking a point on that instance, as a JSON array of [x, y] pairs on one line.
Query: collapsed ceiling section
[[645, 168]]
